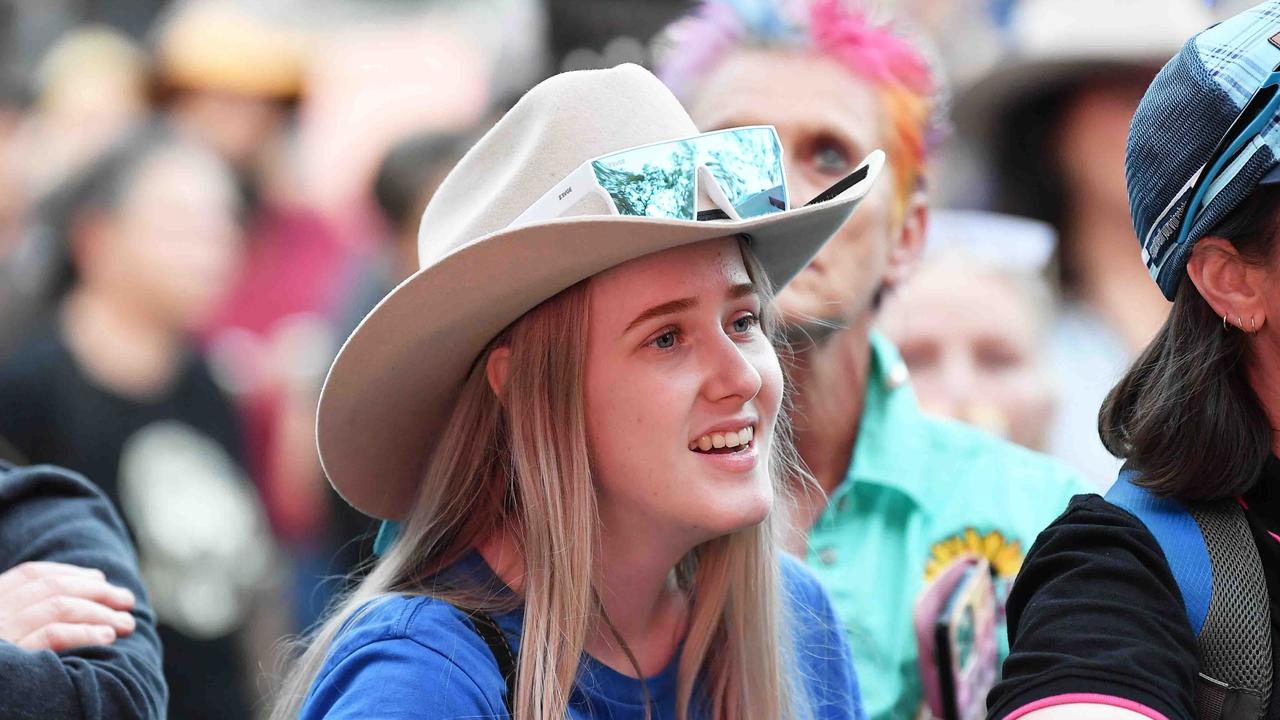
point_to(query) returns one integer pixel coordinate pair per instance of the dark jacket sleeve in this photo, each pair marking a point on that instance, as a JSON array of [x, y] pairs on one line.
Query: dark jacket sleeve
[[51, 515], [1096, 610]]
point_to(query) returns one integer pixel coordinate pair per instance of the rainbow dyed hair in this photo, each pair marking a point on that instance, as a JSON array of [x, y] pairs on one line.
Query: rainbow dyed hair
[[840, 29]]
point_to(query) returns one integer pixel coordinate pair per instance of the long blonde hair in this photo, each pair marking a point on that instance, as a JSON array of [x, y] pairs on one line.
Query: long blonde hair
[[521, 461]]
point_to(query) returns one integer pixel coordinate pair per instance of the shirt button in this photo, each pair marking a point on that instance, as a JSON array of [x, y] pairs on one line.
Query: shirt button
[[898, 376], [827, 556]]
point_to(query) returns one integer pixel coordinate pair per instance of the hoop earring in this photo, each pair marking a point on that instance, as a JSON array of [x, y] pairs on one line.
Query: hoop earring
[[1224, 321], [1253, 324]]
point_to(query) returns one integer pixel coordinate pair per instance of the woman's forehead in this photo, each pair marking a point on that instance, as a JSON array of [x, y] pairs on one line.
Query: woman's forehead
[[707, 267]]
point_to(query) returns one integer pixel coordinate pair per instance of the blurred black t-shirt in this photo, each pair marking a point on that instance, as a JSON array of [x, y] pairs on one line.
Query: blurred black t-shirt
[[172, 464], [1096, 610]]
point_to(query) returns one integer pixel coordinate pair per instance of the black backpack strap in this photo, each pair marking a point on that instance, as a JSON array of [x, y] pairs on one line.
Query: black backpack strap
[[1215, 561], [1235, 643], [491, 634]]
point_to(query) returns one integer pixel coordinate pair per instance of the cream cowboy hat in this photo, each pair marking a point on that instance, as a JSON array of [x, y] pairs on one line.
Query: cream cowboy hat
[[390, 392], [1054, 42]]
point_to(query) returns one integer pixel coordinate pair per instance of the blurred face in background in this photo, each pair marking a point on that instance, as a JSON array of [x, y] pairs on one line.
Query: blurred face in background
[[828, 120], [1091, 135], [972, 337], [172, 247], [237, 125]]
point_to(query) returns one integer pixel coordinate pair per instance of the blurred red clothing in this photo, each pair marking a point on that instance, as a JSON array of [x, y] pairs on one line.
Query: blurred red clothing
[[296, 275]]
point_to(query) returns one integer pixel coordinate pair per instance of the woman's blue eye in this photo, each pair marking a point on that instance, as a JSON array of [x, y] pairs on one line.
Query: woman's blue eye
[[745, 323], [665, 341]]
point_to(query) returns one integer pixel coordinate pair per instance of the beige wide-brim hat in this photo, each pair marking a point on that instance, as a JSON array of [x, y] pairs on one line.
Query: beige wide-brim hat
[[393, 386], [1055, 42]]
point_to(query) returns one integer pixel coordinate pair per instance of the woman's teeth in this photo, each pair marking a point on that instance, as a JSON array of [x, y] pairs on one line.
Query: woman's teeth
[[717, 441]]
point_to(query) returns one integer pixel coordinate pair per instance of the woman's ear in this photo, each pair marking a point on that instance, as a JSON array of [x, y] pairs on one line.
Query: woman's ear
[[496, 367], [1233, 287]]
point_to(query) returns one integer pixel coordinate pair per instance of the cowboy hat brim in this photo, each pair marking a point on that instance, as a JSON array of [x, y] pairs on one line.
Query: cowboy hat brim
[[392, 388]]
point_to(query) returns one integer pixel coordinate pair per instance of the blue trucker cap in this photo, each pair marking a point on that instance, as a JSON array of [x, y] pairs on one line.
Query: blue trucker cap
[[1189, 107]]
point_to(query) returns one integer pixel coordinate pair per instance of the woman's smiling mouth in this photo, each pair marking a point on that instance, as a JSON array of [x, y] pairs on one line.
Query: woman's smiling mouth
[[727, 442]]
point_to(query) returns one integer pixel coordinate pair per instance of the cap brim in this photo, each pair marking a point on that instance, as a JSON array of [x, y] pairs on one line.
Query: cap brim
[[388, 396]]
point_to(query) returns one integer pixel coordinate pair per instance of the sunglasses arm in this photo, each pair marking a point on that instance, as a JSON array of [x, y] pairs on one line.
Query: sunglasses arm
[[563, 195], [707, 183]]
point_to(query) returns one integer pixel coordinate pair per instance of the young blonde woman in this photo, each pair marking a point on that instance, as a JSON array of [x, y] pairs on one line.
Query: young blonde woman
[[572, 411]]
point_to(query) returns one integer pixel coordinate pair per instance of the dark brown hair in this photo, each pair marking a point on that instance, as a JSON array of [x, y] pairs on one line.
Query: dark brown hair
[[1184, 415]]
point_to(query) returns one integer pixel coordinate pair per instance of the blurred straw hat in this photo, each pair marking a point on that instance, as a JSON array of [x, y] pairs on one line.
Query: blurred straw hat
[[1054, 42], [96, 51], [391, 390], [223, 45]]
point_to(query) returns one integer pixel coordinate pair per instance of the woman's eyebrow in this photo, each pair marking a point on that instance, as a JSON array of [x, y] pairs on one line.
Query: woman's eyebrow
[[672, 307], [666, 308]]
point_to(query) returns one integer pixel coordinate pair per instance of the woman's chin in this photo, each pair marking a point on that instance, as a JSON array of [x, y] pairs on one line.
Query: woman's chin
[[732, 514]]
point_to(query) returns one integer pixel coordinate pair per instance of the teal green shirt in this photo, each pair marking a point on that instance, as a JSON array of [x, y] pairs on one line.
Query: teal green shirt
[[919, 491]]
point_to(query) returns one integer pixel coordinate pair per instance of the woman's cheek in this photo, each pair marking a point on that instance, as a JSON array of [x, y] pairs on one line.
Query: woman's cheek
[[770, 368]]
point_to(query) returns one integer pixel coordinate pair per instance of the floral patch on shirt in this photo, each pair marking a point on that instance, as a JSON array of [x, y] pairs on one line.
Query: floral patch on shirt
[[1004, 555]]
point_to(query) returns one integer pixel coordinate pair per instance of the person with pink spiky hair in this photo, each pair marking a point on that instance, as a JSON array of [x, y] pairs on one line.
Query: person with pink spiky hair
[[901, 498]]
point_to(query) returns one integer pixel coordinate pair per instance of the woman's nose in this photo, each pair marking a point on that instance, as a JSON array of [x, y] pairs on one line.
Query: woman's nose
[[730, 372]]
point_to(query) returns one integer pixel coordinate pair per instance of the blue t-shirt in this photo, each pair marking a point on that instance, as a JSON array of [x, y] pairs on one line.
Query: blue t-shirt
[[413, 657]]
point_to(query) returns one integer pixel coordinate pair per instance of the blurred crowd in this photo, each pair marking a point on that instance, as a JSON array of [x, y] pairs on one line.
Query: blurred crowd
[[199, 199]]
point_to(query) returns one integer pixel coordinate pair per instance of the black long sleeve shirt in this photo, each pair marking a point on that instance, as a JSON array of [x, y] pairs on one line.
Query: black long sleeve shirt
[[48, 514]]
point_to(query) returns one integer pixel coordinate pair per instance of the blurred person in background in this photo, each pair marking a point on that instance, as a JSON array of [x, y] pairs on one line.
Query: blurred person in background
[[20, 289], [407, 179], [77, 633], [114, 388], [903, 494], [232, 77], [1053, 117], [90, 89], [972, 324]]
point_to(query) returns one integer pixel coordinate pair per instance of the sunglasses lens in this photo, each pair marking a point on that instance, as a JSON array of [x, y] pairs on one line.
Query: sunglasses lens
[[747, 165], [653, 181], [660, 180]]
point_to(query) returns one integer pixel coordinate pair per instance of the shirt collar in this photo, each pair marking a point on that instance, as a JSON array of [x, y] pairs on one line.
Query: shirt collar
[[891, 449]]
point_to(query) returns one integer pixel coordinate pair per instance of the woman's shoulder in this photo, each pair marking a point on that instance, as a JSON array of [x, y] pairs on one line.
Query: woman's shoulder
[[1094, 541], [1093, 525], [1095, 609], [424, 647], [398, 616]]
